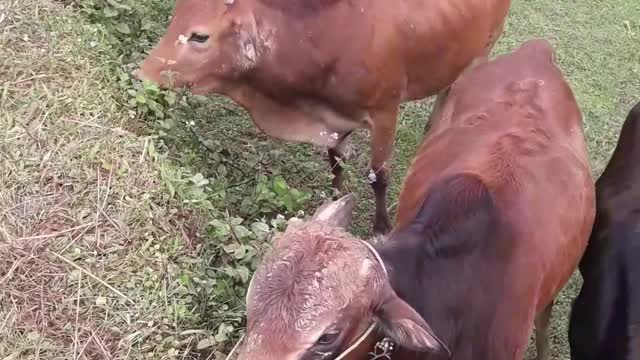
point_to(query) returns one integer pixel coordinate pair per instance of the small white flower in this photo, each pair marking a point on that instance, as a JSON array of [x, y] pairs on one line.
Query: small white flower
[[323, 133], [323, 195], [93, 44], [372, 176], [294, 221], [300, 213], [192, 123], [280, 217], [182, 39], [335, 136]]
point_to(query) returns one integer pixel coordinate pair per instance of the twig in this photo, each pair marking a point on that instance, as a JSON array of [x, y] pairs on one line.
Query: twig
[[106, 197], [11, 270], [100, 207], [392, 205], [239, 184], [32, 78], [5, 233], [184, 355], [75, 339], [100, 344], [96, 228], [93, 277], [73, 241], [54, 234], [84, 347], [144, 150]]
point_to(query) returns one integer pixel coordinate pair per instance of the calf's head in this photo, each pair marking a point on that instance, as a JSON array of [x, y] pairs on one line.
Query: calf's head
[[319, 290], [208, 43]]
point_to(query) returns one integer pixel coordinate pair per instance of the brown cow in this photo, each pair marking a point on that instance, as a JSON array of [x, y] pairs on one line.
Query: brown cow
[[494, 215], [313, 71]]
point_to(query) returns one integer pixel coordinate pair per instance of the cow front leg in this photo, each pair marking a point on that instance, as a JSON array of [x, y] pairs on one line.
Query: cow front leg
[[441, 99], [542, 323], [383, 134]]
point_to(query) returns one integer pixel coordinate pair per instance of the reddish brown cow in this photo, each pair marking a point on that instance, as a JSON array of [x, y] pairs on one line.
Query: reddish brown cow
[[313, 71], [493, 218]]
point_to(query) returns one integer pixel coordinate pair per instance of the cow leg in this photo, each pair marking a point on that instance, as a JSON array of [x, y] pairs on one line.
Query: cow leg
[[383, 134], [542, 332], [336, 154], [437, 107]]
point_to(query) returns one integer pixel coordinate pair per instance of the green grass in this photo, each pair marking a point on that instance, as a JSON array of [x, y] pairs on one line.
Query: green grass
[[129, 221]]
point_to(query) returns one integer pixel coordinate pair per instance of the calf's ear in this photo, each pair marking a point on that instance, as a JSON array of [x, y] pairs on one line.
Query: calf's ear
[[337, 213], [406, 327]]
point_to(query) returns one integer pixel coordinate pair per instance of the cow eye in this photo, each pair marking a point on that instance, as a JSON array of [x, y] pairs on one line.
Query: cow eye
[[197, 37], [328, 338]]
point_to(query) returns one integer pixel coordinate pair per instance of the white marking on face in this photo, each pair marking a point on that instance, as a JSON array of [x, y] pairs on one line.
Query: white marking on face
[[266, 38], [250, 52], [366, 267]]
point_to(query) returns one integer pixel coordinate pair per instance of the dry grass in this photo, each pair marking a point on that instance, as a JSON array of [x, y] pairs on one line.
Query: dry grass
[[79, 196]]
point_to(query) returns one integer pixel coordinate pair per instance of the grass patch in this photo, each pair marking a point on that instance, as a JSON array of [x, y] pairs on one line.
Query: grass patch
[[131, 218]]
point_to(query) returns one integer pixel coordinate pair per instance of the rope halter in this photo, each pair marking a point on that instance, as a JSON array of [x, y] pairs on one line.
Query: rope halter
[[373, 324]]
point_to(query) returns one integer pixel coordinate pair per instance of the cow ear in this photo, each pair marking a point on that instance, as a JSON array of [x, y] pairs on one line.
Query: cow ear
[[336, 213], [406, 327]]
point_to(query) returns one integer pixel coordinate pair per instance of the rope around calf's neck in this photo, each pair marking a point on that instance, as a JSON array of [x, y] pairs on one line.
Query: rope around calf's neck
[[360, 339], [373, 324]]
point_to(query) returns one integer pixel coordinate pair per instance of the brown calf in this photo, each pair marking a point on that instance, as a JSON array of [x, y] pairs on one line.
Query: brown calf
[[493, 218], [313, 71], [605, 319]]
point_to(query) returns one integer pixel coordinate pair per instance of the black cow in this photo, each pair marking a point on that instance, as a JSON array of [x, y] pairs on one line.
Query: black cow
[[605, 321]]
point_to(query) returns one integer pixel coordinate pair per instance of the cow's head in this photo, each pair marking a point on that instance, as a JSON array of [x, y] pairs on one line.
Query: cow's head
[[319, 290], [208, 43]]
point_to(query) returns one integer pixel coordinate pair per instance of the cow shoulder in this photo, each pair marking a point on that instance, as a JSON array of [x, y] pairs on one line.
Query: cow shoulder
[[458, 216]]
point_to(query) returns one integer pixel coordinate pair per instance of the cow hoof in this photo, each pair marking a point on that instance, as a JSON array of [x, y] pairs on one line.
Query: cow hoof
[[381, 226]]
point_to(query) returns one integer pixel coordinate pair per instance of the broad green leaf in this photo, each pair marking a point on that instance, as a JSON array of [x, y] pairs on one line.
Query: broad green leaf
[[123, 28]]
